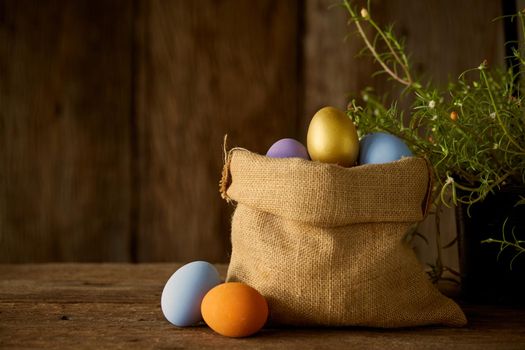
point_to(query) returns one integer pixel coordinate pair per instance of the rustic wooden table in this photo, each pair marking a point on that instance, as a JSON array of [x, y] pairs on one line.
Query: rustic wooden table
[[118, 306]]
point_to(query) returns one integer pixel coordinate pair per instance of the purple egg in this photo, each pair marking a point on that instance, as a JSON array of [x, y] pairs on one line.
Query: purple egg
[[288, 148]]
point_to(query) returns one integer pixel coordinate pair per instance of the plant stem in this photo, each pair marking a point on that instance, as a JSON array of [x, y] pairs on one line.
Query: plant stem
[[504, 242], [372, 49], [397, 58], [480, 140], [439, 261], [498, 117]]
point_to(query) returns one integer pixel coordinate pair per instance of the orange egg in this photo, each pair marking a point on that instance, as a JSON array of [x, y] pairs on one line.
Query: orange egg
[[234, 309]]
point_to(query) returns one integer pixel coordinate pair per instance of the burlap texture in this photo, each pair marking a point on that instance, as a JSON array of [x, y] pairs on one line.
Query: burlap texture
[[326, 244]]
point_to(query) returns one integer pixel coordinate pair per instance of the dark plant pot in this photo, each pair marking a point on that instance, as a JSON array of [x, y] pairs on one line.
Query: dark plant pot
[[485, 278]]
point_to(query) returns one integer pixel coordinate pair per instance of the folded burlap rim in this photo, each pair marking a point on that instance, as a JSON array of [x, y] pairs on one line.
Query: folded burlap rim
[[357, 194]]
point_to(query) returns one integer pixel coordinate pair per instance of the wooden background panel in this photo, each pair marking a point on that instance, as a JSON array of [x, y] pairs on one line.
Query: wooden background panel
[[444, 38], [331, 71], [112, 114], [447, 37], [209, 68], [65, 89]]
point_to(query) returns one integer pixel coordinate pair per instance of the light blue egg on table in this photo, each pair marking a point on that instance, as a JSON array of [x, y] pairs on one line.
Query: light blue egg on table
[[380, 147], [183, 293]]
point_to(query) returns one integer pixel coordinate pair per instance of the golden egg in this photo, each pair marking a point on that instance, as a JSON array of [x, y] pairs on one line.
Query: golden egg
[[332, 138]]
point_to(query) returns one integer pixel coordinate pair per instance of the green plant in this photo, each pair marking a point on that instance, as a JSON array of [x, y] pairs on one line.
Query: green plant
[[472, 131]]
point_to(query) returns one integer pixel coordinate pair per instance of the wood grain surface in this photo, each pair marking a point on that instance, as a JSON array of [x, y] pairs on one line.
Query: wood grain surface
[[112, 114], [443, 38], [65, 89], [117, 306], [209, 69]]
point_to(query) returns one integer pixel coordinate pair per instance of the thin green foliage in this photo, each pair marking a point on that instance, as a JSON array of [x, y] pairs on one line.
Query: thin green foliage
[[514, 243], [472, 131]]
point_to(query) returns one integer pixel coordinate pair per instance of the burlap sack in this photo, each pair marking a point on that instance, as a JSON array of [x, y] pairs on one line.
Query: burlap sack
[[326, 244]]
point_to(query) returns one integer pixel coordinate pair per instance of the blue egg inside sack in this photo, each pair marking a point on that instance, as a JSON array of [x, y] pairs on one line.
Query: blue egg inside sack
[[379, 147], [183, 293]]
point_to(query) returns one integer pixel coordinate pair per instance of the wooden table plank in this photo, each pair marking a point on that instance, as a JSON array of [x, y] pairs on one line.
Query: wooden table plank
[[118, 306]]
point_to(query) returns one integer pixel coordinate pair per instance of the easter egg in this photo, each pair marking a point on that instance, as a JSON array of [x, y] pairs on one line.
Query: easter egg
[[332, 137], [287, 148], [379, 147], [234, 309], [183, 293]]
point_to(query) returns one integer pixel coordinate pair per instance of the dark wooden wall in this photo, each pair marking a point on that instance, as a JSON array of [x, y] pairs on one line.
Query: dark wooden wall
[[112, 113]]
